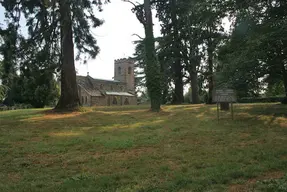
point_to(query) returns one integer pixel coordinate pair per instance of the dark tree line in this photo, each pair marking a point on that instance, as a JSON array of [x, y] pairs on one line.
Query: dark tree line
[[196, 50]]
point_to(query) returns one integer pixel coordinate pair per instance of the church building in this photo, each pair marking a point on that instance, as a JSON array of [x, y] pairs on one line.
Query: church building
[[119, 91]]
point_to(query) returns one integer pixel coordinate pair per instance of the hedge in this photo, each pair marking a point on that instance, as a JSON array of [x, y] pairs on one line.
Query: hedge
[[16, 106], [261, 99]]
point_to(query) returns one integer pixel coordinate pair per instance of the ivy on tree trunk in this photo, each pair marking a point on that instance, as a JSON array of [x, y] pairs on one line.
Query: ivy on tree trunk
[[152, 67], [153, 77]]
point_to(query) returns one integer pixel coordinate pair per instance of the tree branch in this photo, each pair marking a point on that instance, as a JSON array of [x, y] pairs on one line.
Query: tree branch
[[138, 36], [138, 9], [128, 1]]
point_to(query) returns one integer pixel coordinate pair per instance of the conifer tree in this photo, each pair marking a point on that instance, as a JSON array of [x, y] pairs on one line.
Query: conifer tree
[[56, 27]]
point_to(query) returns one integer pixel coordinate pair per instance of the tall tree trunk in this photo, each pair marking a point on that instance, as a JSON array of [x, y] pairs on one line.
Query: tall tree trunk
[[69, 98], [210, 71], [284, 74], [164, 82], [164, 97], [178, 88], [193, 62], [194, 86], [177, 66], [9, 63], [153, 77]]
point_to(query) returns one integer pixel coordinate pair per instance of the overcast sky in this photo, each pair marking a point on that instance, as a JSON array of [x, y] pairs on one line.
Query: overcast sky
[[114, 38]]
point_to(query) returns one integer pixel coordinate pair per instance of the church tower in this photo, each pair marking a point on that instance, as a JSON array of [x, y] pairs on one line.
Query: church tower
[[124, 72]]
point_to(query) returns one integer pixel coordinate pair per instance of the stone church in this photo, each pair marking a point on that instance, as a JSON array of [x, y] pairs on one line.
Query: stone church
[[119, 91]]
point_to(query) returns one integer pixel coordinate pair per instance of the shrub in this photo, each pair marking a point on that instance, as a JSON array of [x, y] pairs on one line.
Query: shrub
[[260, 99]]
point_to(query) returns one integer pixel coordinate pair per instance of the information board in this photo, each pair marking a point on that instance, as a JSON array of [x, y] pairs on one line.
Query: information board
[[224, 95]]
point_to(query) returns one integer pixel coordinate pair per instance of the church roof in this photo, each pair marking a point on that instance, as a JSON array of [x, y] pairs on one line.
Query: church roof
[[89, 84], [85, 84], [108, 80], [118, 93], [104, 81]]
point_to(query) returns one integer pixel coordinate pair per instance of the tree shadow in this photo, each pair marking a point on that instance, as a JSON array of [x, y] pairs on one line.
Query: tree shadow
[[275, 110], [99, 119], [268, 114], [183, 140]]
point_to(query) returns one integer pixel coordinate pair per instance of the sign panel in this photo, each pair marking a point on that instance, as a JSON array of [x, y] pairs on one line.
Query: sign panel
[[224, 95]]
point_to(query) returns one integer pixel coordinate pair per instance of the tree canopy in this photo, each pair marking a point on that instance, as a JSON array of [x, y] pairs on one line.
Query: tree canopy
[[54, 28], [204, 45]]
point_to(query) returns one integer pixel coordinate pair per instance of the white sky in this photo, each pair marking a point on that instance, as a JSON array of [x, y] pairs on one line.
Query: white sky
[[114, 38]]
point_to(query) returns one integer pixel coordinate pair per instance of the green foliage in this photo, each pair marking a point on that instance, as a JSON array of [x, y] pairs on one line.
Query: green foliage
[[54, 27], [255, 53], [140, 80], [284, 101], [275, 89], [3, 92], [39, 90], [170, 52], [147, 53]]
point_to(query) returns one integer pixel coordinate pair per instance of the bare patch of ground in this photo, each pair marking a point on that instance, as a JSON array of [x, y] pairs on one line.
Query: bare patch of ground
[[15, 177], [126, 154]]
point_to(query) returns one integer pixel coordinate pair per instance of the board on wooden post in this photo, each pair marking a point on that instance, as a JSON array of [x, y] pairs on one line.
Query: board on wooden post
[[223, 96]]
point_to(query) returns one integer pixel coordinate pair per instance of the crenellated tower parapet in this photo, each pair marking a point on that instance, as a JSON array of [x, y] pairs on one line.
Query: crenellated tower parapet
[[124, 72]]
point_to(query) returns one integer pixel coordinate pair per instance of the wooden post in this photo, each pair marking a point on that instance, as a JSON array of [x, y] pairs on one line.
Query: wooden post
[[217, 112], [232, 111]]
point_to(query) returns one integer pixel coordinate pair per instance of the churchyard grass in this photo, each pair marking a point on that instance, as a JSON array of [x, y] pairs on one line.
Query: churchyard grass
[[182, 148]]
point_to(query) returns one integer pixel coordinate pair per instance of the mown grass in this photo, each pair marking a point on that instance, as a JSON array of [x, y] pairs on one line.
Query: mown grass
[[182, 148]]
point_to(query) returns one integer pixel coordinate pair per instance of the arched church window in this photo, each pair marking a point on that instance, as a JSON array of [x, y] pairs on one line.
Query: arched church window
[[127, 101], [129, 70], [119, 70], [115, 102]]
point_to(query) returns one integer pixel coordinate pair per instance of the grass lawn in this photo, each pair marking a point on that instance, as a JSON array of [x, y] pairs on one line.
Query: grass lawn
[[183, 148]]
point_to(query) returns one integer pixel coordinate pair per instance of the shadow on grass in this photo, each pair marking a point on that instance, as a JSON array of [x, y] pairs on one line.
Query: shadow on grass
[[131, 149], [271, 109]]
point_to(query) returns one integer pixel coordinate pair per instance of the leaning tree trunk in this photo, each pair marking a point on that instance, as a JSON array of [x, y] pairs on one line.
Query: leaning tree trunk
[[153, 77], [69, 98]]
